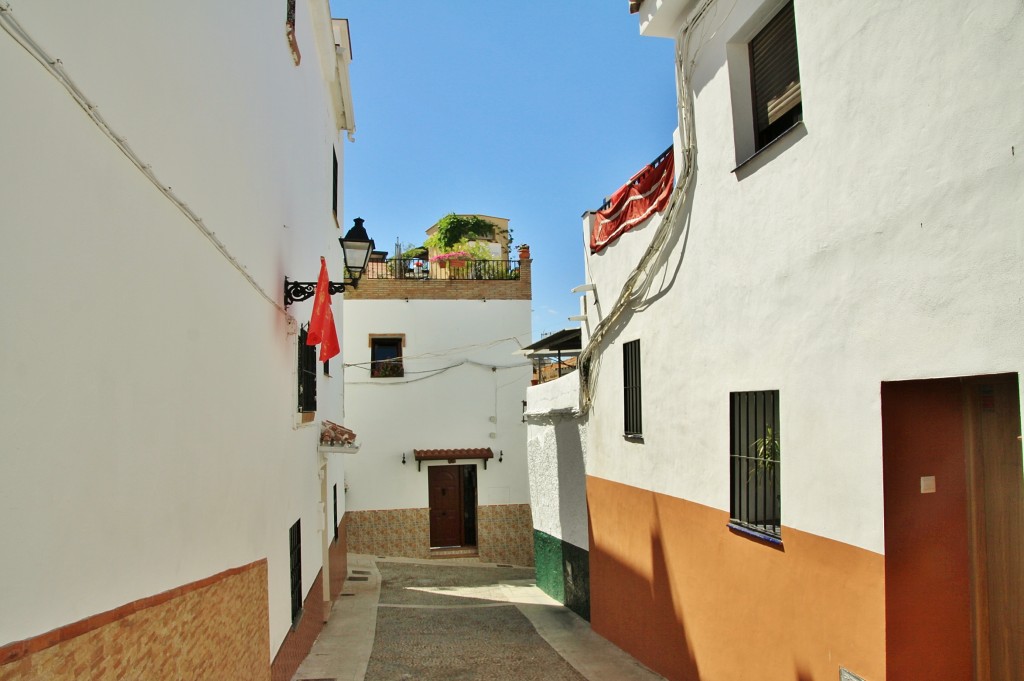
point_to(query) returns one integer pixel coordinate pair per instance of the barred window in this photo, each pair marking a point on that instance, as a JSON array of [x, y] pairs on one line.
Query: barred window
[[633, 416], [306, 372], [295, 568], [754, 462]]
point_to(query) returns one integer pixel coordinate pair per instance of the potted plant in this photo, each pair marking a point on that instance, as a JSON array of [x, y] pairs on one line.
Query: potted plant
[[453, 258], [524, 251]]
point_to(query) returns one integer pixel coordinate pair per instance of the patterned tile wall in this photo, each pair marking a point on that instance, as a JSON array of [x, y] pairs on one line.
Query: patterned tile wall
[[504, 533], [401, 532], [215, 632]]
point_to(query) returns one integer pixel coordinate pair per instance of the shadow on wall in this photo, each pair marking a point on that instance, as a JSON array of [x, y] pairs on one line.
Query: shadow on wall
[[642, 614], [573, 516]]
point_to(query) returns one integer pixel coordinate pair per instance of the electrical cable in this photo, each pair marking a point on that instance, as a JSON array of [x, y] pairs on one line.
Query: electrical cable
[[55, 67], [639, 281]]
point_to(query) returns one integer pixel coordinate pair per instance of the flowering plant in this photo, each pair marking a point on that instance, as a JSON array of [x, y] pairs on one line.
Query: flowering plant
[[454, 255]]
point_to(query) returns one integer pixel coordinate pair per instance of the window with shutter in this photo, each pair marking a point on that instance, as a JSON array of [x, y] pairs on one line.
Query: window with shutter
[[775, 77]]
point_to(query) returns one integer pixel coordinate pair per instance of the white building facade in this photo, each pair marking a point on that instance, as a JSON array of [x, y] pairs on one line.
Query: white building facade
[[162, 169], [802, 449], [434, 387]]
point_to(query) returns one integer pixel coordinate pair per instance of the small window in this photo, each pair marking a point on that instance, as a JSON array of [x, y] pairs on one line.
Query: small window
[[633, 421], [754, 462], [775, 78], [386, 357], [307, 373], [295, 568], [334, 199], [335, 512]]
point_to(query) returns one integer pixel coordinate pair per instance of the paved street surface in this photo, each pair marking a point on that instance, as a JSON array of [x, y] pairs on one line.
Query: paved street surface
[[457, 620]]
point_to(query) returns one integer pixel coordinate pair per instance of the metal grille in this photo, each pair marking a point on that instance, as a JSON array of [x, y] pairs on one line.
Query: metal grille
[[754, 461], [307, 372], [633, 421], [295, 563], [335, 511], [421, 268], [775, 77]]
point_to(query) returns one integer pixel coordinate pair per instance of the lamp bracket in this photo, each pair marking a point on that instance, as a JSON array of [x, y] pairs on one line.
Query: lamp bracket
[[295, 291]]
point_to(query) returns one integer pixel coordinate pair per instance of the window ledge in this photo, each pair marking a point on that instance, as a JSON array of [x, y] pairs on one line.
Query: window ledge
[[753, 533], [787, 133], [634, 438]]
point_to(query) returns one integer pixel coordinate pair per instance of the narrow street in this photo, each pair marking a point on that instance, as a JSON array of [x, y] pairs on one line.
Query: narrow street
[[446, 620]]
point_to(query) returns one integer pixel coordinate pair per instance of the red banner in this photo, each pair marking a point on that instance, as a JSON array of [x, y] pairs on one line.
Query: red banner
[[645, 194], [322, 330]]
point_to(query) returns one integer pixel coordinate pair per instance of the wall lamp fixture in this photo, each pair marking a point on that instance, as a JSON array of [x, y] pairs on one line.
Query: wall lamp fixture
[[355, 250]]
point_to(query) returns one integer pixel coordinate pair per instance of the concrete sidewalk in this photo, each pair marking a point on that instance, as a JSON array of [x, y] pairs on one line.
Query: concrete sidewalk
[[343, 649]]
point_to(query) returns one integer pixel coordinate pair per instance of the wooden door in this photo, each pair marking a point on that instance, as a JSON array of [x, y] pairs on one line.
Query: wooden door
[[927, 571], [954, 523], [446, 500], [996, 519]]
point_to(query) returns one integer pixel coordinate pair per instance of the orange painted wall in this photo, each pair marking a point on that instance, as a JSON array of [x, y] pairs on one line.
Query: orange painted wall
[[671, 585]]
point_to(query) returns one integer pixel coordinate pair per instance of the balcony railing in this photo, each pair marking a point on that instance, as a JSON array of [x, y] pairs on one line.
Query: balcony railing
[[419, 268]]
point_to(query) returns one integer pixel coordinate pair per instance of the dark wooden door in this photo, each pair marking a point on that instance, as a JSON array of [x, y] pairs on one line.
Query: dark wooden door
[[446, 502], [954, 521]]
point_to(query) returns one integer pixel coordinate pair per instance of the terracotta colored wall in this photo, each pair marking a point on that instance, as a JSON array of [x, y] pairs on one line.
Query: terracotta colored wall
[[212, 629], [671, 585], [299, 641], [928, 608]]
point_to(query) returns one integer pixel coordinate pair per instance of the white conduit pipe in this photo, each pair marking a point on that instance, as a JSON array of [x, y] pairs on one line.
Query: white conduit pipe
[[639, 281], [56, 69]]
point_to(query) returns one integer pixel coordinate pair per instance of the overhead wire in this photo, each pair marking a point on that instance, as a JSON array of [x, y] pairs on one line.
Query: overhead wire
[[638, 283], [55, 67]]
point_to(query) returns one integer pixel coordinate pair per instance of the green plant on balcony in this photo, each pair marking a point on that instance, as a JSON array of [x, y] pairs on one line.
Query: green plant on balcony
[[454, 229]]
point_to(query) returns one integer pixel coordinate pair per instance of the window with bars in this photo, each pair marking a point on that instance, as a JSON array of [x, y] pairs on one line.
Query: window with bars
[[775, 78], [334, 199], [335, 511], [632, 406], [386, 357], [295, 568], [754, 462], [306, 372]]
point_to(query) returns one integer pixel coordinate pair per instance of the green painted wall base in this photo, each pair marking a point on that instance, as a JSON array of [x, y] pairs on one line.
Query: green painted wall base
[[563, 572]]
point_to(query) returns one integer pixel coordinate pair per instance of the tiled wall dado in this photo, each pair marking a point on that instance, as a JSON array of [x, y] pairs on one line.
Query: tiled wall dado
[[504, 533], [214, 629], [403, 532]]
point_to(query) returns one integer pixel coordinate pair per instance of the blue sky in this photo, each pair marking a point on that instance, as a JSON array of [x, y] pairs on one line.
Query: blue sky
[[525, 110]]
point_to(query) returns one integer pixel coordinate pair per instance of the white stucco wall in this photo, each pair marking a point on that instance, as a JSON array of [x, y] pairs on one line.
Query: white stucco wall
[[148, 397], [881, 241], [557, 444], [457, 408]]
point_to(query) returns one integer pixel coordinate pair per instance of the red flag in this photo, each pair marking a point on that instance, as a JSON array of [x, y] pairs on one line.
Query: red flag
[[646, 193], [322, 331]]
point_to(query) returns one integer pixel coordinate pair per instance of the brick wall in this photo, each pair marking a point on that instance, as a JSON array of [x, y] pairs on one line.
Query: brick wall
[[216, 628], [446, 289]]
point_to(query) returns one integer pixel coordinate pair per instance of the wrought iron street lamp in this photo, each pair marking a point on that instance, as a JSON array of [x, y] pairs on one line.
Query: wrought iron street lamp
[[356, 246]]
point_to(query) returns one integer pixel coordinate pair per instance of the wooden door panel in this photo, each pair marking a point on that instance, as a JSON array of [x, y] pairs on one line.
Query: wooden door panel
[[445, 494]]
